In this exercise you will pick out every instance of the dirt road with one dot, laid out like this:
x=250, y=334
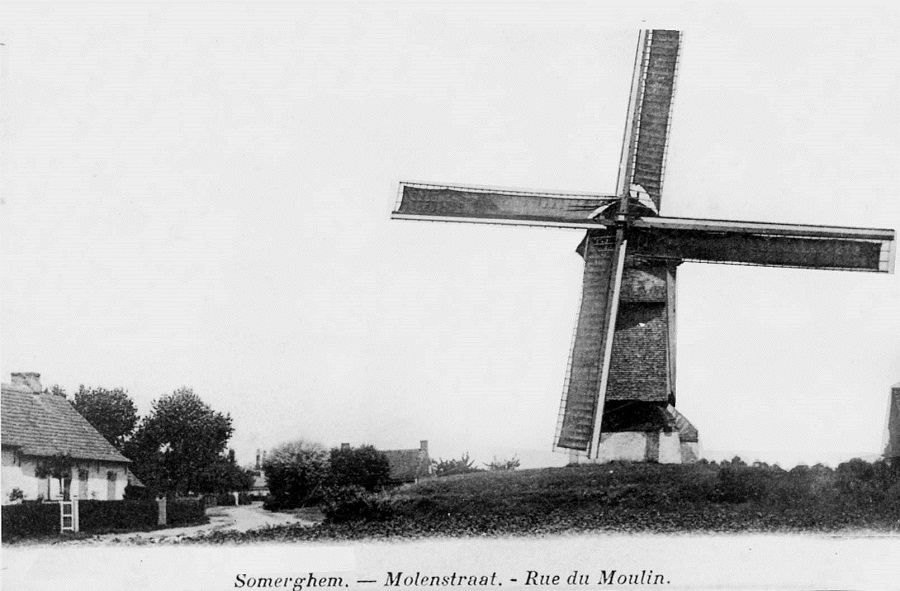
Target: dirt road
x=243, y=518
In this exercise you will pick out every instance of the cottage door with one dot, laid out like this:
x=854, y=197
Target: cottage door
x=82, y=484
x=110, y=486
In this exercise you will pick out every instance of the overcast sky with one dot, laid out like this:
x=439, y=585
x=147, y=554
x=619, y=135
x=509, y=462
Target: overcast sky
x=200, y=196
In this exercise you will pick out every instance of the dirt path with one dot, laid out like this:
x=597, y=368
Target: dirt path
x=243, y=518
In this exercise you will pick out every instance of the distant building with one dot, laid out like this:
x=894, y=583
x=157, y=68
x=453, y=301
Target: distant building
x=892, y=444
x=37, y=426
x=260, y=486
x=409, y=465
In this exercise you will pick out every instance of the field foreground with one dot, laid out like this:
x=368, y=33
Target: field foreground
x=618, y=497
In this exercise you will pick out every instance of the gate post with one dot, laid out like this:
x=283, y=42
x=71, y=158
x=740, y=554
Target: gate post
x=76, y=515
x=161, y=514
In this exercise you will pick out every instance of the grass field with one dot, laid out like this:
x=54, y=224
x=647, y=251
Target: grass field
x=619, y=497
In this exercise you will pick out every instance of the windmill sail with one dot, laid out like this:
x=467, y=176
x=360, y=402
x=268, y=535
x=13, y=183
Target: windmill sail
x=653, y=115
x=581, y=398
x=471, y=204
x=771, y=245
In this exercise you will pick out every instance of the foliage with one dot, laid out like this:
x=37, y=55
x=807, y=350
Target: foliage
x=179, y=447
x=463, y=465
x=615, y=497
x=353, y=503
x=16, y=494
x=111, y=412
x=738, y=484
x=226, y=499
x=225, y=476
x=364, y=466
x=29, y=520
x=136, y=493
x=56, y=390
x=297, y=473
x=97, y=516
x=182, y=512
x=58, y=466
x=503, y=465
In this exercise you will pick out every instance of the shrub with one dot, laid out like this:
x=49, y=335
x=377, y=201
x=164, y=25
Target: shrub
x=738, y=484
x=296, y=474
x=861, y=483
x=353, y=503
x=463, y=465
x=503, y=465
x=185, y=512
x=225, y=499
x=137, y=493
x=363, y=466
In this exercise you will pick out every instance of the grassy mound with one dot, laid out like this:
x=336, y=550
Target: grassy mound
x=619, y=497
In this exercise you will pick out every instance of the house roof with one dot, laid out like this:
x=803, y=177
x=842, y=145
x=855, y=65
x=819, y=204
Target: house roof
x=47, y=424
x=407, y=464
x=135, y=481
x=260, y=482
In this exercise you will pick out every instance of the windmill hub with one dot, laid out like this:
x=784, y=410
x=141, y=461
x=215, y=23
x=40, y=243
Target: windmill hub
x=619, y=398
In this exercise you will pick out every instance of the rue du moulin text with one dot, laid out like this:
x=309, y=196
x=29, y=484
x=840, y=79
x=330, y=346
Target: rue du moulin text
x=531, y=579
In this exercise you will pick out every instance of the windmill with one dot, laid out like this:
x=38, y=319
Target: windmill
x=619, y=397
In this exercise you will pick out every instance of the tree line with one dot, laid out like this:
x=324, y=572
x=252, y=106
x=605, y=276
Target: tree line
x=180, y=447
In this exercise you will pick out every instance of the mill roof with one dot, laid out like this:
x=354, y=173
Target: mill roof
x=46, y=424
x=407, y=465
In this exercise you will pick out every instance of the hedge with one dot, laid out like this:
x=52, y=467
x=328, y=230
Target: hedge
x=29, y=520
x=108, y=515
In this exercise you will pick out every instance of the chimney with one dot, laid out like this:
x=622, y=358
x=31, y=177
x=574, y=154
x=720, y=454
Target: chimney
x=345, y=446
x=29, y=379
x=423, y=445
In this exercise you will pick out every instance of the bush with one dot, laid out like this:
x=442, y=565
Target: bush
x=463, y=465
x=185, y=512
x=225, y=500
x=353, y=503
x=863, y=483
x=137, y=493
x=363, y=466
x=738, y=484
x=503, y=465
x=296, y=473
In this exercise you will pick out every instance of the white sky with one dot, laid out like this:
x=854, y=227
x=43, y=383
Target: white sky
x=200, y=196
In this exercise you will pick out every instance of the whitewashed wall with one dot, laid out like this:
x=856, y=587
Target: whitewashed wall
x=19, y=472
